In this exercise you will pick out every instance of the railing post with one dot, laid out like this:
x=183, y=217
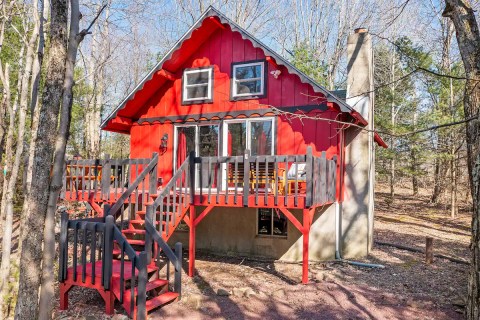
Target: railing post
x=152, y=181
x=63, y=250
x=191, y=166
x=334, y=189
x=178, y=270
x=309, y=176
x=108, y=254
x=106, y=210
x=142, y=287
x=246, y=177
x=106, y=173
x=148, y=238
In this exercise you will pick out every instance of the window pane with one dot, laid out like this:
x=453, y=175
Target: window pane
x=261, y=133
x=197, y=77
x=197, y=92
x=279, y=224
x=208, y=141
x=248, y=72
x=208, y=146
x=186, y=143
x=265, y=221
x=237, y=136
x=249, y=87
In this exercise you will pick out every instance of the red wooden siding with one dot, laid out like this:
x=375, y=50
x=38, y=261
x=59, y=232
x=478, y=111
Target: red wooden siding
x=221, y=49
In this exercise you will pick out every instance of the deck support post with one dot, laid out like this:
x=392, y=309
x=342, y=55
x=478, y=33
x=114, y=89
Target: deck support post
x=306, y=236
x=191, y=243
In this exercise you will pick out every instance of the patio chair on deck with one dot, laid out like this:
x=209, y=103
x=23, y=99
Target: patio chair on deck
x=295, y=174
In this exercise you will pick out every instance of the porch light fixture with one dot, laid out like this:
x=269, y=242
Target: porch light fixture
x=164, y=143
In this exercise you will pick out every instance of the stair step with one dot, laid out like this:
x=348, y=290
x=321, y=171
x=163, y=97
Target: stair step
x=117, y=252
x=135, y=242
x=128, y=270
x=151, y=285
x=143, y=222
x=143, y=212
x=161, y=300
x=134, y=231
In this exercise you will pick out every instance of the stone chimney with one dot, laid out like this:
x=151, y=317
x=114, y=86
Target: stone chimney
x=358, y=202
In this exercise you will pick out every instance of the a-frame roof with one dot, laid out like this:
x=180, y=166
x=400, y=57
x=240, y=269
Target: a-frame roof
x=279, y=60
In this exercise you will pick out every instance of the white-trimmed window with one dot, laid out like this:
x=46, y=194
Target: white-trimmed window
x=248, y=79
x=197, y=85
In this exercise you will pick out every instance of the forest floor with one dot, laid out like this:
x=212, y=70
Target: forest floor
x=406, y=288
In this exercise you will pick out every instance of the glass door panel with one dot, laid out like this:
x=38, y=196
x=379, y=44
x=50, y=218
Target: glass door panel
x=261, y=138
x=236, y=138
x=208, y=147
x=186, y=138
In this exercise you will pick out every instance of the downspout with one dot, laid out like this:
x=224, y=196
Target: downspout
x=338, y=214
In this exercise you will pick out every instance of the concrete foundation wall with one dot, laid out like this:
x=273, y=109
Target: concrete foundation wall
x=232, y=231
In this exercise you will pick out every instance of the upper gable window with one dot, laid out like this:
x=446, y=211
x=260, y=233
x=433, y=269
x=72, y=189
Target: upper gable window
x=248, y=79
x=197, y=85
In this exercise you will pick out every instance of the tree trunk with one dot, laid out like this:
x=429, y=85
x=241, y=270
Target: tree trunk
x=35, y=205
x=47, y=288
x=468, y=38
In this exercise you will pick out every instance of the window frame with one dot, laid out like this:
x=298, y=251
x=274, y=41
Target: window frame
x=263, y=80
x=258, y=234
x=209, y=98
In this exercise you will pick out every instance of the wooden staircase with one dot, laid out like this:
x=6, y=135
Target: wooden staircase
x=118, y=256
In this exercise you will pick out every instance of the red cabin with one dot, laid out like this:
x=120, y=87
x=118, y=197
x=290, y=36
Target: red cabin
x=233, y=151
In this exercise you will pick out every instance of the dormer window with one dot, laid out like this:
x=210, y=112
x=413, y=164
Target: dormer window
x=197, y=85
x=248, y=80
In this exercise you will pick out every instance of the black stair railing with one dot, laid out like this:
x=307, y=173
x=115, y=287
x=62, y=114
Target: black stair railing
x=97, y=236
x=81, y=236
x=173, y=200
x=136, y=262
x=137, y=190
x=154, y=240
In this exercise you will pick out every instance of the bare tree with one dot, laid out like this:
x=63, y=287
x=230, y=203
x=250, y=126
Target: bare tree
x=35, y=204
x=468, y=38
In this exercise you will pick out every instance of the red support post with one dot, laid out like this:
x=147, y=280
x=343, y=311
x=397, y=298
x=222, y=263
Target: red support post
x=191, y=243
x=64, y=288
x=306, y=235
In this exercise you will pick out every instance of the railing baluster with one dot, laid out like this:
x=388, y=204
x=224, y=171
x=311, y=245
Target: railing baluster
x=296, y=183
x=122, y=270
x=63, y=247
x=257, y=173
x=276, y=182
x=142, y=287
x=227, y=168
x=132, y=285
x=309, y=177
x=323, y=177
x=236, y=181
x=93, y=249
x=219, y=181
x=167, y=224
x=209, y=175
x=75, y=249
x=267, y=182
x=285, y=182
x=246, y=177
x=136, y=190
